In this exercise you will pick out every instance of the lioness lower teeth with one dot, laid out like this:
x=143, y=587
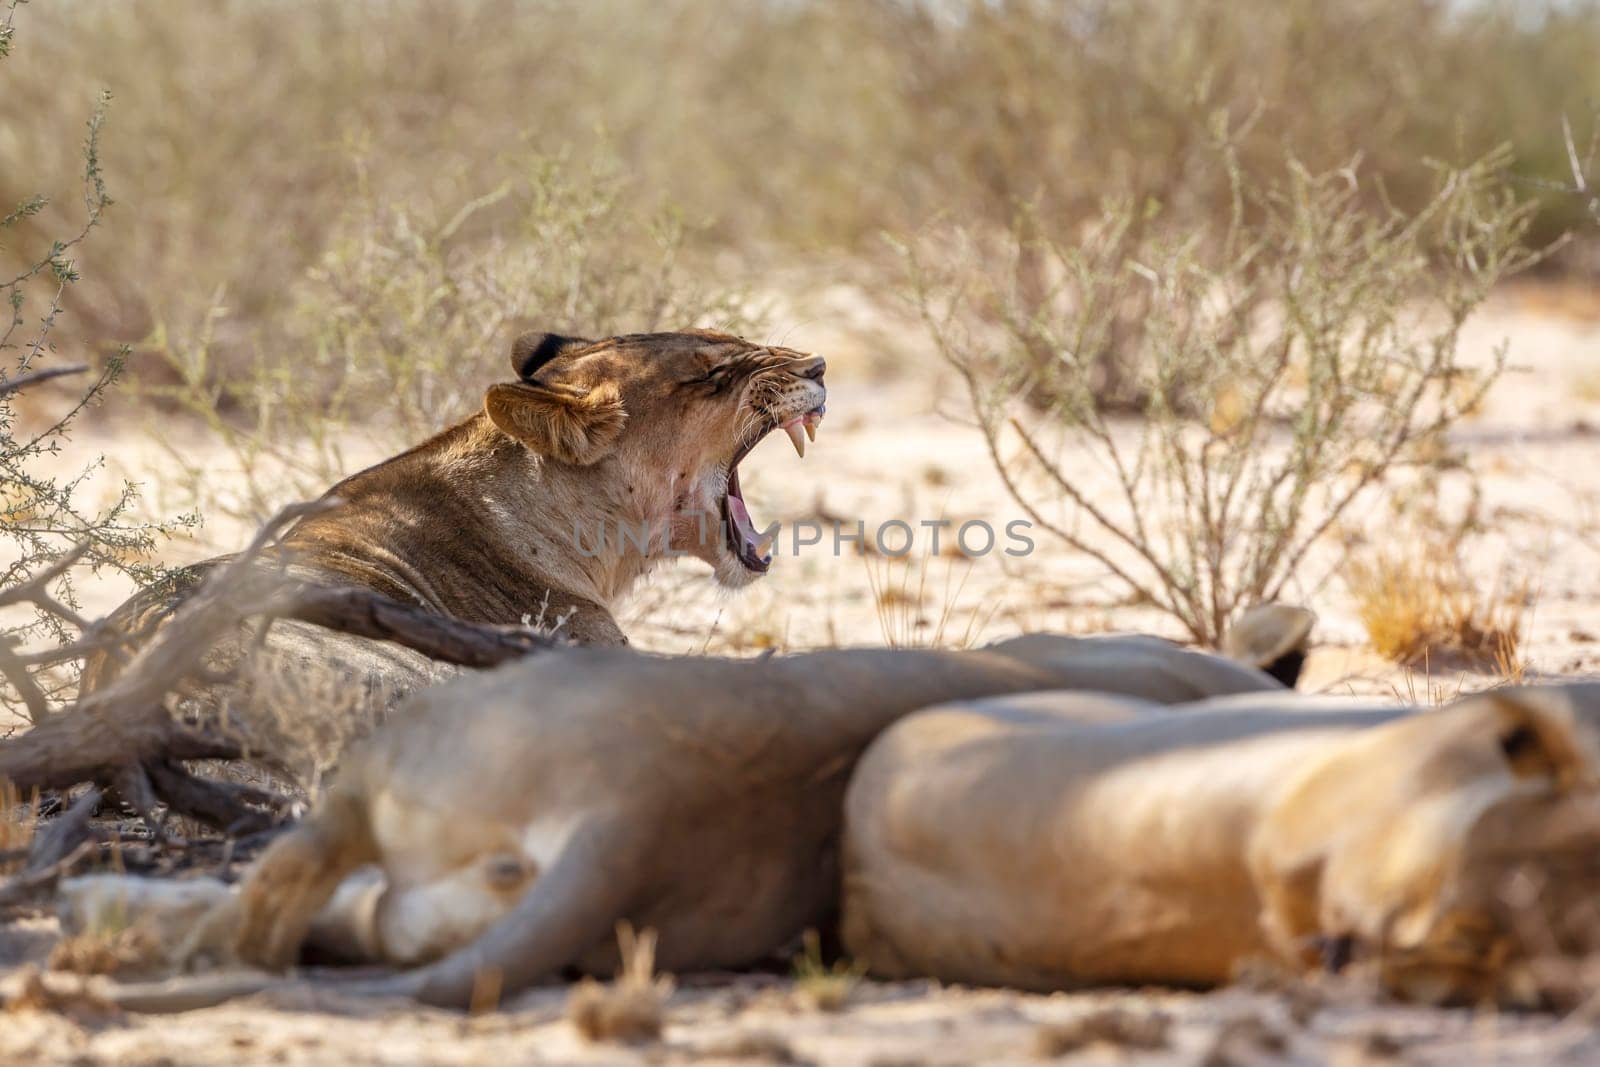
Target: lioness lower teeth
x=799, y=439
x=764, y=545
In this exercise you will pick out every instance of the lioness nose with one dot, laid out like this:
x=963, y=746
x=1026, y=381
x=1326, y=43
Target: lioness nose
x=815, y=371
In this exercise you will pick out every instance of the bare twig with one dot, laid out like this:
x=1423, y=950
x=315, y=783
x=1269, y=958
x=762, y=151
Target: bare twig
x=14, y=384
x=15, y=671
x=64, y=835
x=31, y=885
x=1580, y=180
x=38, y=584
x=366, y=614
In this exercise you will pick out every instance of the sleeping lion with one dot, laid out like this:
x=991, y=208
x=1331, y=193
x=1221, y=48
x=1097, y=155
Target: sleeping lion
x=498, y=827
x=1063, y=840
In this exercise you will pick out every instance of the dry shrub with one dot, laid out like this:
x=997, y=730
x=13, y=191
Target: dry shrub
x=1420, y=608
x=1417, y=597
x=630, y=1009
x=46, y=514
x=126, y=952
x=408, y=316
x=822, y=986
x=1058, y=101
x=1284, y=363
x=1117, y=1027
x=17, y=824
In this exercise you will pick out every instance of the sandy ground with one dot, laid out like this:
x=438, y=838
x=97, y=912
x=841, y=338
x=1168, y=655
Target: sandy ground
x=889, y=450
x=765, y=1021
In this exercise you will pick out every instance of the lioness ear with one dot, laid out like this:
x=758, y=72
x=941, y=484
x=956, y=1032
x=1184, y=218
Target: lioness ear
x=1272, y=637
x=533, y=350
x=1538, y=740
x=568, y=425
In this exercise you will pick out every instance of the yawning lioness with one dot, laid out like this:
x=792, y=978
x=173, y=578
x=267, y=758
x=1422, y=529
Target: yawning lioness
x=599, y=461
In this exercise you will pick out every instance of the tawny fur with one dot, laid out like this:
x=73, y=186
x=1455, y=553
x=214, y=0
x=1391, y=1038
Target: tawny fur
x=1066, y=839
x=698, y=797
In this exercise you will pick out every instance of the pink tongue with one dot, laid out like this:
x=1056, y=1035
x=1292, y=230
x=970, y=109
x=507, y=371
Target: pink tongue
x=741, y=518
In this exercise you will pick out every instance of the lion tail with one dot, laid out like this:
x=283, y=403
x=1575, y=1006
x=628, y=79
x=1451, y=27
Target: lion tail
x=297, y=876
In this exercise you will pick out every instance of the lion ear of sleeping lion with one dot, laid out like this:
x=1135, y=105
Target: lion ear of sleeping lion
x=566, y=423
x=1539, y=736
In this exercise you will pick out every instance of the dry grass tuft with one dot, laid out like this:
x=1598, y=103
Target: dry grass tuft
x=1245, y=1039
x=34, y=994
x=16, y=825
x=632, y=1008
x=1586, y=386
x=911, y=615
x=1118, y=1027
x=1419, y=608
x=822, y=986
x=127, y=951
x=751, y=1046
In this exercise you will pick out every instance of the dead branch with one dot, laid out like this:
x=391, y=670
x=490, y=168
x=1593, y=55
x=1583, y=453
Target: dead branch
x=9, y=387
x=15, y=671
x=64, y=835
x=114, y=734
x=221, y=805
x=365, y=614
x=30, y=884
x=122, y=737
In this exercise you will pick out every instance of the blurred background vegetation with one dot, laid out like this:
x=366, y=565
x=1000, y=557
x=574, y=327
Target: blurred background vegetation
x=247, y=139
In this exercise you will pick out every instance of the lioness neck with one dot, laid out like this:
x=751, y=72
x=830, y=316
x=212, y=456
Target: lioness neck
x=472, y=524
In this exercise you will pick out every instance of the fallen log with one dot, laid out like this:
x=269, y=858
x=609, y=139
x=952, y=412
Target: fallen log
x=123, y=738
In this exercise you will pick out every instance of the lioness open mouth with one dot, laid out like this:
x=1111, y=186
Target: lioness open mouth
x=754, y=550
